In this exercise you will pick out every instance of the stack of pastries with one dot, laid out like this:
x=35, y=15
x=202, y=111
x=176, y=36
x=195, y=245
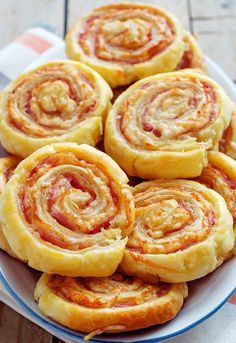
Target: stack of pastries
x=117, y=257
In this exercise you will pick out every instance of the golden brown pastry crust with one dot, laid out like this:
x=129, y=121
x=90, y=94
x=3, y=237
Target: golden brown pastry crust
x=67, y=210
x=220, y=175
x=163, y=125
x=7, y=166
x=114, y=304
x=183, y=231
x=60, y=101
x=126, y=42
x=193, y=56
x=228, y=141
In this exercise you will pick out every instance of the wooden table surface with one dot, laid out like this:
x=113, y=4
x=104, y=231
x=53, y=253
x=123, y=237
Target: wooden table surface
x=213, y=21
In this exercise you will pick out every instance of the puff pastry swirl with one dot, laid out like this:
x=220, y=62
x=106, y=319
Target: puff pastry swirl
x=193, y=56
x=163, y=125
x=57, y=102
x=7, y=166
x=183, y=230
x=113, y=304
x=220, y=175
x=67, y=209
x=228, y=141
x=126, y=42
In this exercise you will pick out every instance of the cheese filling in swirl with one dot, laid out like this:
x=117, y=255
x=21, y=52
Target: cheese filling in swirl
x=110, y=35
x=167, y=222
x=52, y=100
x=170, y=218
x=116, y=291
x=160, y=112
x=63, y=193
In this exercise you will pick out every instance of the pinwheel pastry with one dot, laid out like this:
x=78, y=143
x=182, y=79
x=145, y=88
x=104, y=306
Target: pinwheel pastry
x=112, y=304
x=228, y=141
x=57, y=102
x=162, y=125
x=183, y=231
x=67, y=209
x=126, y=42
x=7, y=166
x=192, y=56
x=220, y=175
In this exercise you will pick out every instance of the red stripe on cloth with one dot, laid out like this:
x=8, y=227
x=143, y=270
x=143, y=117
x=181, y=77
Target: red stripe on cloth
x=34, y=42
x=232, y=300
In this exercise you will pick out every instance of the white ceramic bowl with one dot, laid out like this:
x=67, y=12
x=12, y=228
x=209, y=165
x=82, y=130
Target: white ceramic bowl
x=206, y=295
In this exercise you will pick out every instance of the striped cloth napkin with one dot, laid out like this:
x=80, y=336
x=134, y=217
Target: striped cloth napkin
x=36, y=44
x=23, y=51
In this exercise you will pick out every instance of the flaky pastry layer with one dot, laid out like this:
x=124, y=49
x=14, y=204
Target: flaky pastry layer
x=7, y=166
x=220, y=175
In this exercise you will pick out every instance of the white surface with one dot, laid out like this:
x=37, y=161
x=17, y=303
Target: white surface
x=205, y=294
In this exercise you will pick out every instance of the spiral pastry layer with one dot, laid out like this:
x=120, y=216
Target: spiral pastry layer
x=162, y=125
x=67, y=209
x=220, y=175
x=183, y=231
x=7, y=166
x=193, y=56
x=57, y=102
x=228, y=141
x=113, y=304
x=126, y=42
